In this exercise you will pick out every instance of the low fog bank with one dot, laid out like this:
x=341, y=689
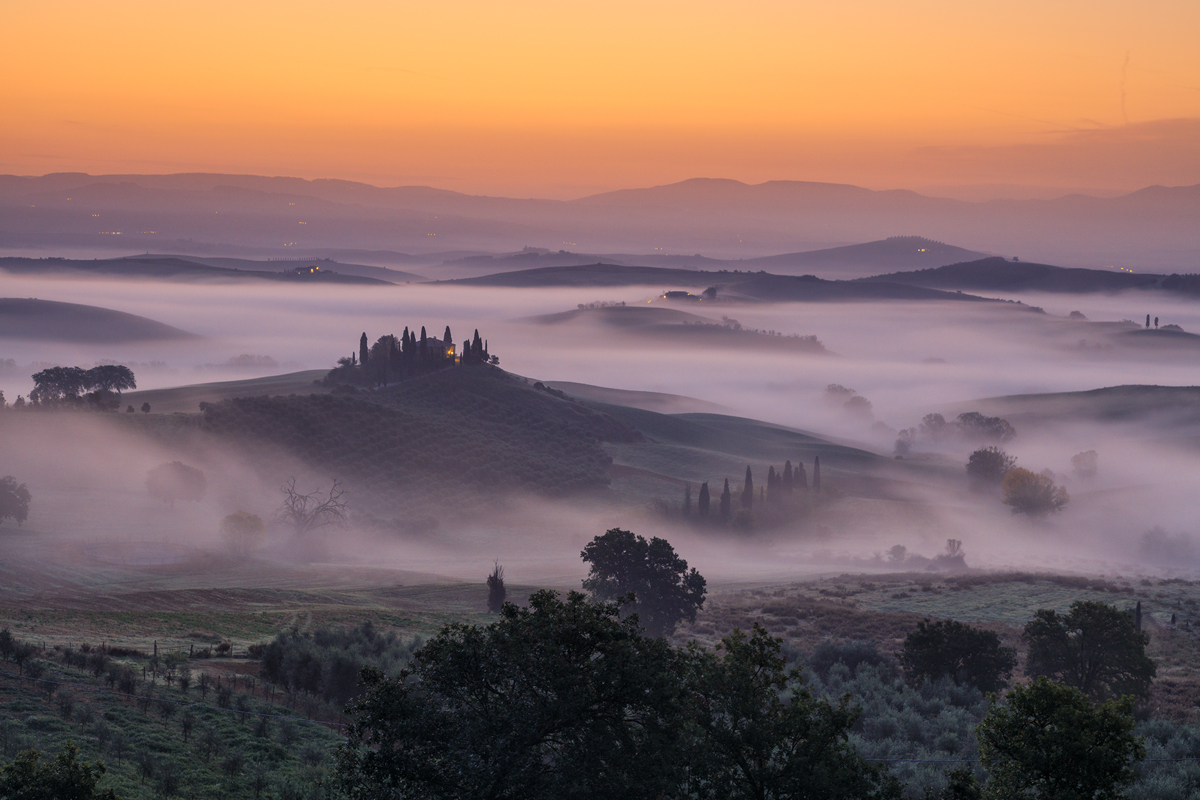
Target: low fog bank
x=906, y=360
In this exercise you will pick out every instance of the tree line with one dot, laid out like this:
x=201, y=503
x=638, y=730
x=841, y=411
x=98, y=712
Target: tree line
x=395, y=359
x=75, y=387
x=782, y=488
x=574, y=697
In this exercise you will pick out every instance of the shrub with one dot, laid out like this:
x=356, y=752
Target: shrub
x=850, y=653
x=1033, y=494
x=326, y=662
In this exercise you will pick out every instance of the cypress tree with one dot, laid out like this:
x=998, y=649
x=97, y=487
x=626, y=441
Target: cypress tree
x=786, y=483
x=702, y=500
x=363, y=349
x=446, y=337
x=748, y=490
x=687, y=499
x=477, y=346
x=817, y=474
x=466, y=356
x=726, y=501
x=800, y=477
x=422, y=352
x=496, y=590
x=771, y=483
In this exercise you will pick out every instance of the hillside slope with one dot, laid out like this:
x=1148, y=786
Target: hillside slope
x=437, y=444
x=173, y=268
x=48, y=320
x=998, y=274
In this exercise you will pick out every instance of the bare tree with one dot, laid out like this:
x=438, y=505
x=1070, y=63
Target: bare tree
x=306, y=513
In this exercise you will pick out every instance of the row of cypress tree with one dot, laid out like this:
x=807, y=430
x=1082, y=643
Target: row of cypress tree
x=780, y=484
x=392, y=358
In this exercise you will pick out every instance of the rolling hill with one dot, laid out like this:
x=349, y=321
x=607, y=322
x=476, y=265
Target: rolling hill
x=765, y=287
x=594, y=275
x=998, y=274
x=52, y=321
x=1172, y=410
x=659, y=325
x=326, y=266
x=736, y=285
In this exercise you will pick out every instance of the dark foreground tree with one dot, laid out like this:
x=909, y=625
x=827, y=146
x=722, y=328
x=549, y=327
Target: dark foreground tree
x=176, y=481
x=32, y=777
x=665, y=590
x=1033, y=494
x=496, y=590
x=755, y=744
x=1094, y=648
x=989, y=465
x=14, y=500
x=969, y=656
x=1048, y=741
x=563, y=699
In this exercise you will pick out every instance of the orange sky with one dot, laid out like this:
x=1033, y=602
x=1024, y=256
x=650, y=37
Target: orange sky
x=561, y=99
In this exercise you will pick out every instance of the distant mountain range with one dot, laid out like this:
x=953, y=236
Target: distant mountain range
x=222, y=215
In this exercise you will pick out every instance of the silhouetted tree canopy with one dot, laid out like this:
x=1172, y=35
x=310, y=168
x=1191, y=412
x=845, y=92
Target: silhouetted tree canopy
x=665, y=590
x=966, y=655
x=973, y=425
x=1047, y=741
x=754, y=743
x=1094, y=647
x=560, y=700
x=176, y=481
x=111, y=378
x=32, y=776
x=14, y=500
x=568, y=700
x=989, y=464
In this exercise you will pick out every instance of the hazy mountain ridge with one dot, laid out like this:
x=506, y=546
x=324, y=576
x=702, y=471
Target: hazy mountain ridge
x=1153, y=227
